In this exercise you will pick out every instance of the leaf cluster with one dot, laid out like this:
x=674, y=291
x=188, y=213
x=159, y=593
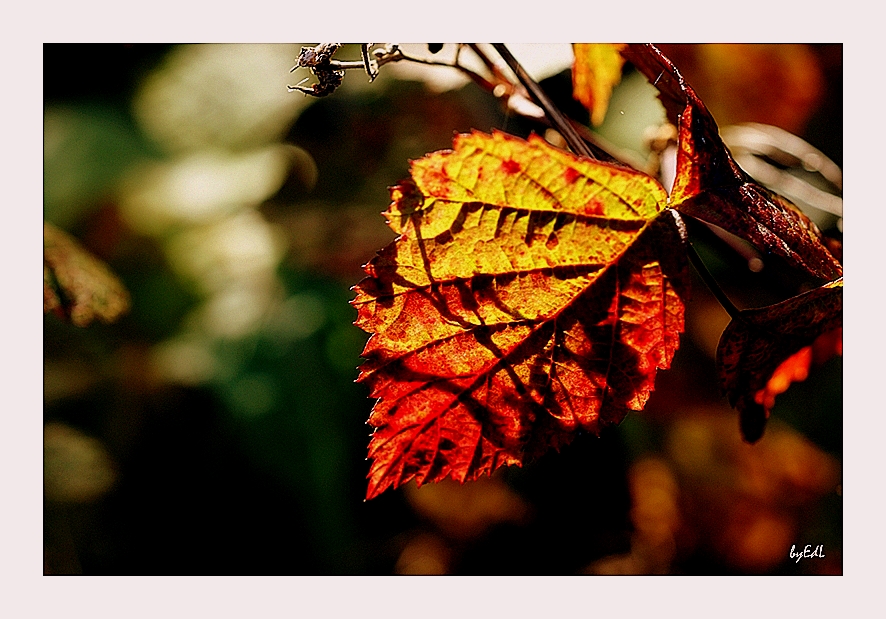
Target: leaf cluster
x=533, y=293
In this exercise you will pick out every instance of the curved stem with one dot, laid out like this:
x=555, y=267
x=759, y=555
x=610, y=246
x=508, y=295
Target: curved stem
x=712, y=284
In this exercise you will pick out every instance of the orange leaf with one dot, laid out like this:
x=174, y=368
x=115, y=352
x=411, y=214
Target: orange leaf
x=596, y=71
x=531, y=294
x=766, y=349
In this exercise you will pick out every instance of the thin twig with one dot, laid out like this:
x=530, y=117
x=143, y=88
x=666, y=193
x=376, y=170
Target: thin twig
x=499, y=80
x=591, y=140
x=476, y=77
x=561, y=123
x=493, y=68
x=712, y=284
x=395, y=54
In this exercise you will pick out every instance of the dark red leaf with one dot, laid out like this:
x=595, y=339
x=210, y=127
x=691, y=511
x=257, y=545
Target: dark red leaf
x=710, y=185
x=765, y=349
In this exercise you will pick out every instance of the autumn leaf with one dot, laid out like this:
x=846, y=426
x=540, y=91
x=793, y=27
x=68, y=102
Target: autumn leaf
x=51, y=300
x=765, y=349
x=76, y=284
x=595, y=72
x=530, y=295
x=710, y=185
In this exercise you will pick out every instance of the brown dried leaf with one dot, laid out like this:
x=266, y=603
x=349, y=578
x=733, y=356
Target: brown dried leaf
x=76, y=284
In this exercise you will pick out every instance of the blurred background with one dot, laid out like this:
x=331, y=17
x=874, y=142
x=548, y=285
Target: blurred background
x=216, y=427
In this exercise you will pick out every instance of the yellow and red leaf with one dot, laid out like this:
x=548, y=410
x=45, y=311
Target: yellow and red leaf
x=531, y=294
x=77, y=285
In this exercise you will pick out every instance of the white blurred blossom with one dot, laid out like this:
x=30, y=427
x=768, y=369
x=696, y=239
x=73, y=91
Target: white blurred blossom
x=240, y=248
x=200, y=187
x=224, y=95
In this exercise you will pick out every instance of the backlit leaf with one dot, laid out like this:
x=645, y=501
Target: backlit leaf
x=596, y=71
x=765, y=350
x=710, y=185
x=531, y=294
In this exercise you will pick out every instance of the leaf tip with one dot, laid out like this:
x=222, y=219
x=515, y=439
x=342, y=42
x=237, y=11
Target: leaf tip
x=752, y=422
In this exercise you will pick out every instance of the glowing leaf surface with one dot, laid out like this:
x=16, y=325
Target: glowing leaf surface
x=530, y=294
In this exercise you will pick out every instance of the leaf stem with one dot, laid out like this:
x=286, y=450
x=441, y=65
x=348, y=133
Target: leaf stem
x=559, y=120
x=712, y=284
x=490, y=66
